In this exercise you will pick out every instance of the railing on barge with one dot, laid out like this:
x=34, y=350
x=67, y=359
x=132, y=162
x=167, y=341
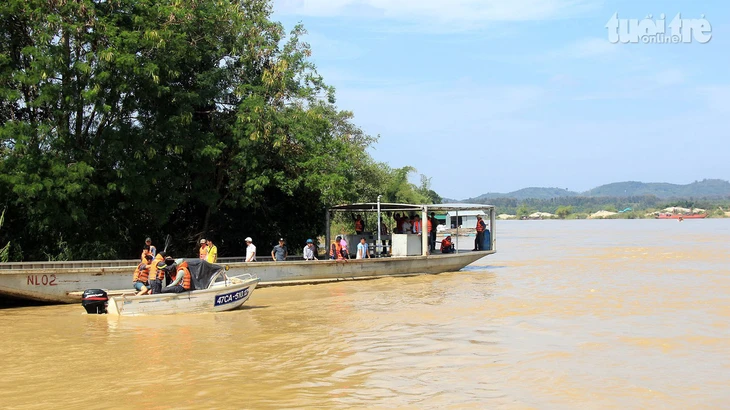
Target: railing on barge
x=122, y=263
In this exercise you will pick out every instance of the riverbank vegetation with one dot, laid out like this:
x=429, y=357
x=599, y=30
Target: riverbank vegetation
x=124, y=119
x=633, y=207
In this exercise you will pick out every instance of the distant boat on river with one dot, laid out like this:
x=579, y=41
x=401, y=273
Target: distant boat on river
x=680, y=216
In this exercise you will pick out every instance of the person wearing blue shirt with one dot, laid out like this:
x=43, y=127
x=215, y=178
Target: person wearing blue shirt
x=362, y=249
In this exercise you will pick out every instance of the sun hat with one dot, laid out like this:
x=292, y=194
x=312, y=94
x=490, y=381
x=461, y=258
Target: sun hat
x=202, y=241
x=248, y=239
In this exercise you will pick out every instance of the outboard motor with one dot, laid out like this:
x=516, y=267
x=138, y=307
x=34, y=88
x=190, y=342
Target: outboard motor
x=94, y=301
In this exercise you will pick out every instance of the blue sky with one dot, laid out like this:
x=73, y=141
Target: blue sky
x=497, y=95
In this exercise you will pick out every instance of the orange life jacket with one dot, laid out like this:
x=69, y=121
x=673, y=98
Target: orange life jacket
x=142, y=273
x=185, y=282
x=445, y=244
x=336, y=248
x=417, y=226
x=203, y=252
x=480, y=225
x=429, y=226
x=359, y=226
x=155, y=266
x=145, y=252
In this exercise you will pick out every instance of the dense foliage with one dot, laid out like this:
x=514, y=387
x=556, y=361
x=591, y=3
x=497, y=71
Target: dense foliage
x=123, y=119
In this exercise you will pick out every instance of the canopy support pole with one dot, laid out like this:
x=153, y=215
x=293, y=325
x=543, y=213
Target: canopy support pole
x=424, y=231
x=327, y=234
x=378, y=245
x=457, y=231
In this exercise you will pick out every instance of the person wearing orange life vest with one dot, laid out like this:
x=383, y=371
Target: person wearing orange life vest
x=203, y=252
x=446, y=245
x=359, y=225
x=182, y=281
x=429, y=230
x=158, y=263
x=336, y=249
x=417, y=225
x=479, y=240
x=140, y=279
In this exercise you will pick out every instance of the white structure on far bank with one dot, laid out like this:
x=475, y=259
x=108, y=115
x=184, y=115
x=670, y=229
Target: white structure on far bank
x=467, y=219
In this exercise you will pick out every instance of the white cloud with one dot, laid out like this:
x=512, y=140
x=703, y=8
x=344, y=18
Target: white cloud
x=716, y=97
x=440, y=11
x=669, y=77
x=591, y=47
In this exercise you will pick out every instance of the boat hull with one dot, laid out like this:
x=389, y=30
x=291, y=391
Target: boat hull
x=216, y=299
x=43, y=282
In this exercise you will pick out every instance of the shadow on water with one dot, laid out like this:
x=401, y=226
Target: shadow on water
x=478, y=268
x=8, y=302
x=250, y=307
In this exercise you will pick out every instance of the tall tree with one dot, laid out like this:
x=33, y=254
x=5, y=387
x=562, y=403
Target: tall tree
x=123, y=119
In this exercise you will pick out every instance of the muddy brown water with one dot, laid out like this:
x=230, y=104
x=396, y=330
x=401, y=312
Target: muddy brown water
x=612, y=314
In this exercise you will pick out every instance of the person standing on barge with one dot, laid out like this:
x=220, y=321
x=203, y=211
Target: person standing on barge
x=203, y=252
x=250, y=250
x=310, y=252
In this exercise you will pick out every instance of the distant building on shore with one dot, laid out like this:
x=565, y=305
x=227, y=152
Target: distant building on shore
x=466, y=219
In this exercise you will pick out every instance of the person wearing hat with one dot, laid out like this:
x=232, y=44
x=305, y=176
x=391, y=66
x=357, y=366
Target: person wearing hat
x=153, y=250
x=212, y=251
x=279, y=253
x=310, y=252
x=203, y=252
x=250, y=250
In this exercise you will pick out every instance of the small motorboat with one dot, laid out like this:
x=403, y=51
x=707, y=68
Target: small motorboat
x=213, y=291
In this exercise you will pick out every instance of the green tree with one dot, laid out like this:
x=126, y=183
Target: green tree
x=125, y=119
x=5, y=250
x=563, y=211
x=523, y=211
x=425, y=189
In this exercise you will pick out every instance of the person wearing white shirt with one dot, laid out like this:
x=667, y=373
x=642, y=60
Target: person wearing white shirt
x=406, y=226
x=309, y=251
x=250, y=250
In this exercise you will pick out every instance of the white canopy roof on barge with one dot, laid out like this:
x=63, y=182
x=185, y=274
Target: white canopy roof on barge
x=487, y=210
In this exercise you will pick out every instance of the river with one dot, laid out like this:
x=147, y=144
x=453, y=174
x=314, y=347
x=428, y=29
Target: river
x=613, y=314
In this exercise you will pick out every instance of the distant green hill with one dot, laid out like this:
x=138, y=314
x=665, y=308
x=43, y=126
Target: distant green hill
x=528, y=193
x=707, y=188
